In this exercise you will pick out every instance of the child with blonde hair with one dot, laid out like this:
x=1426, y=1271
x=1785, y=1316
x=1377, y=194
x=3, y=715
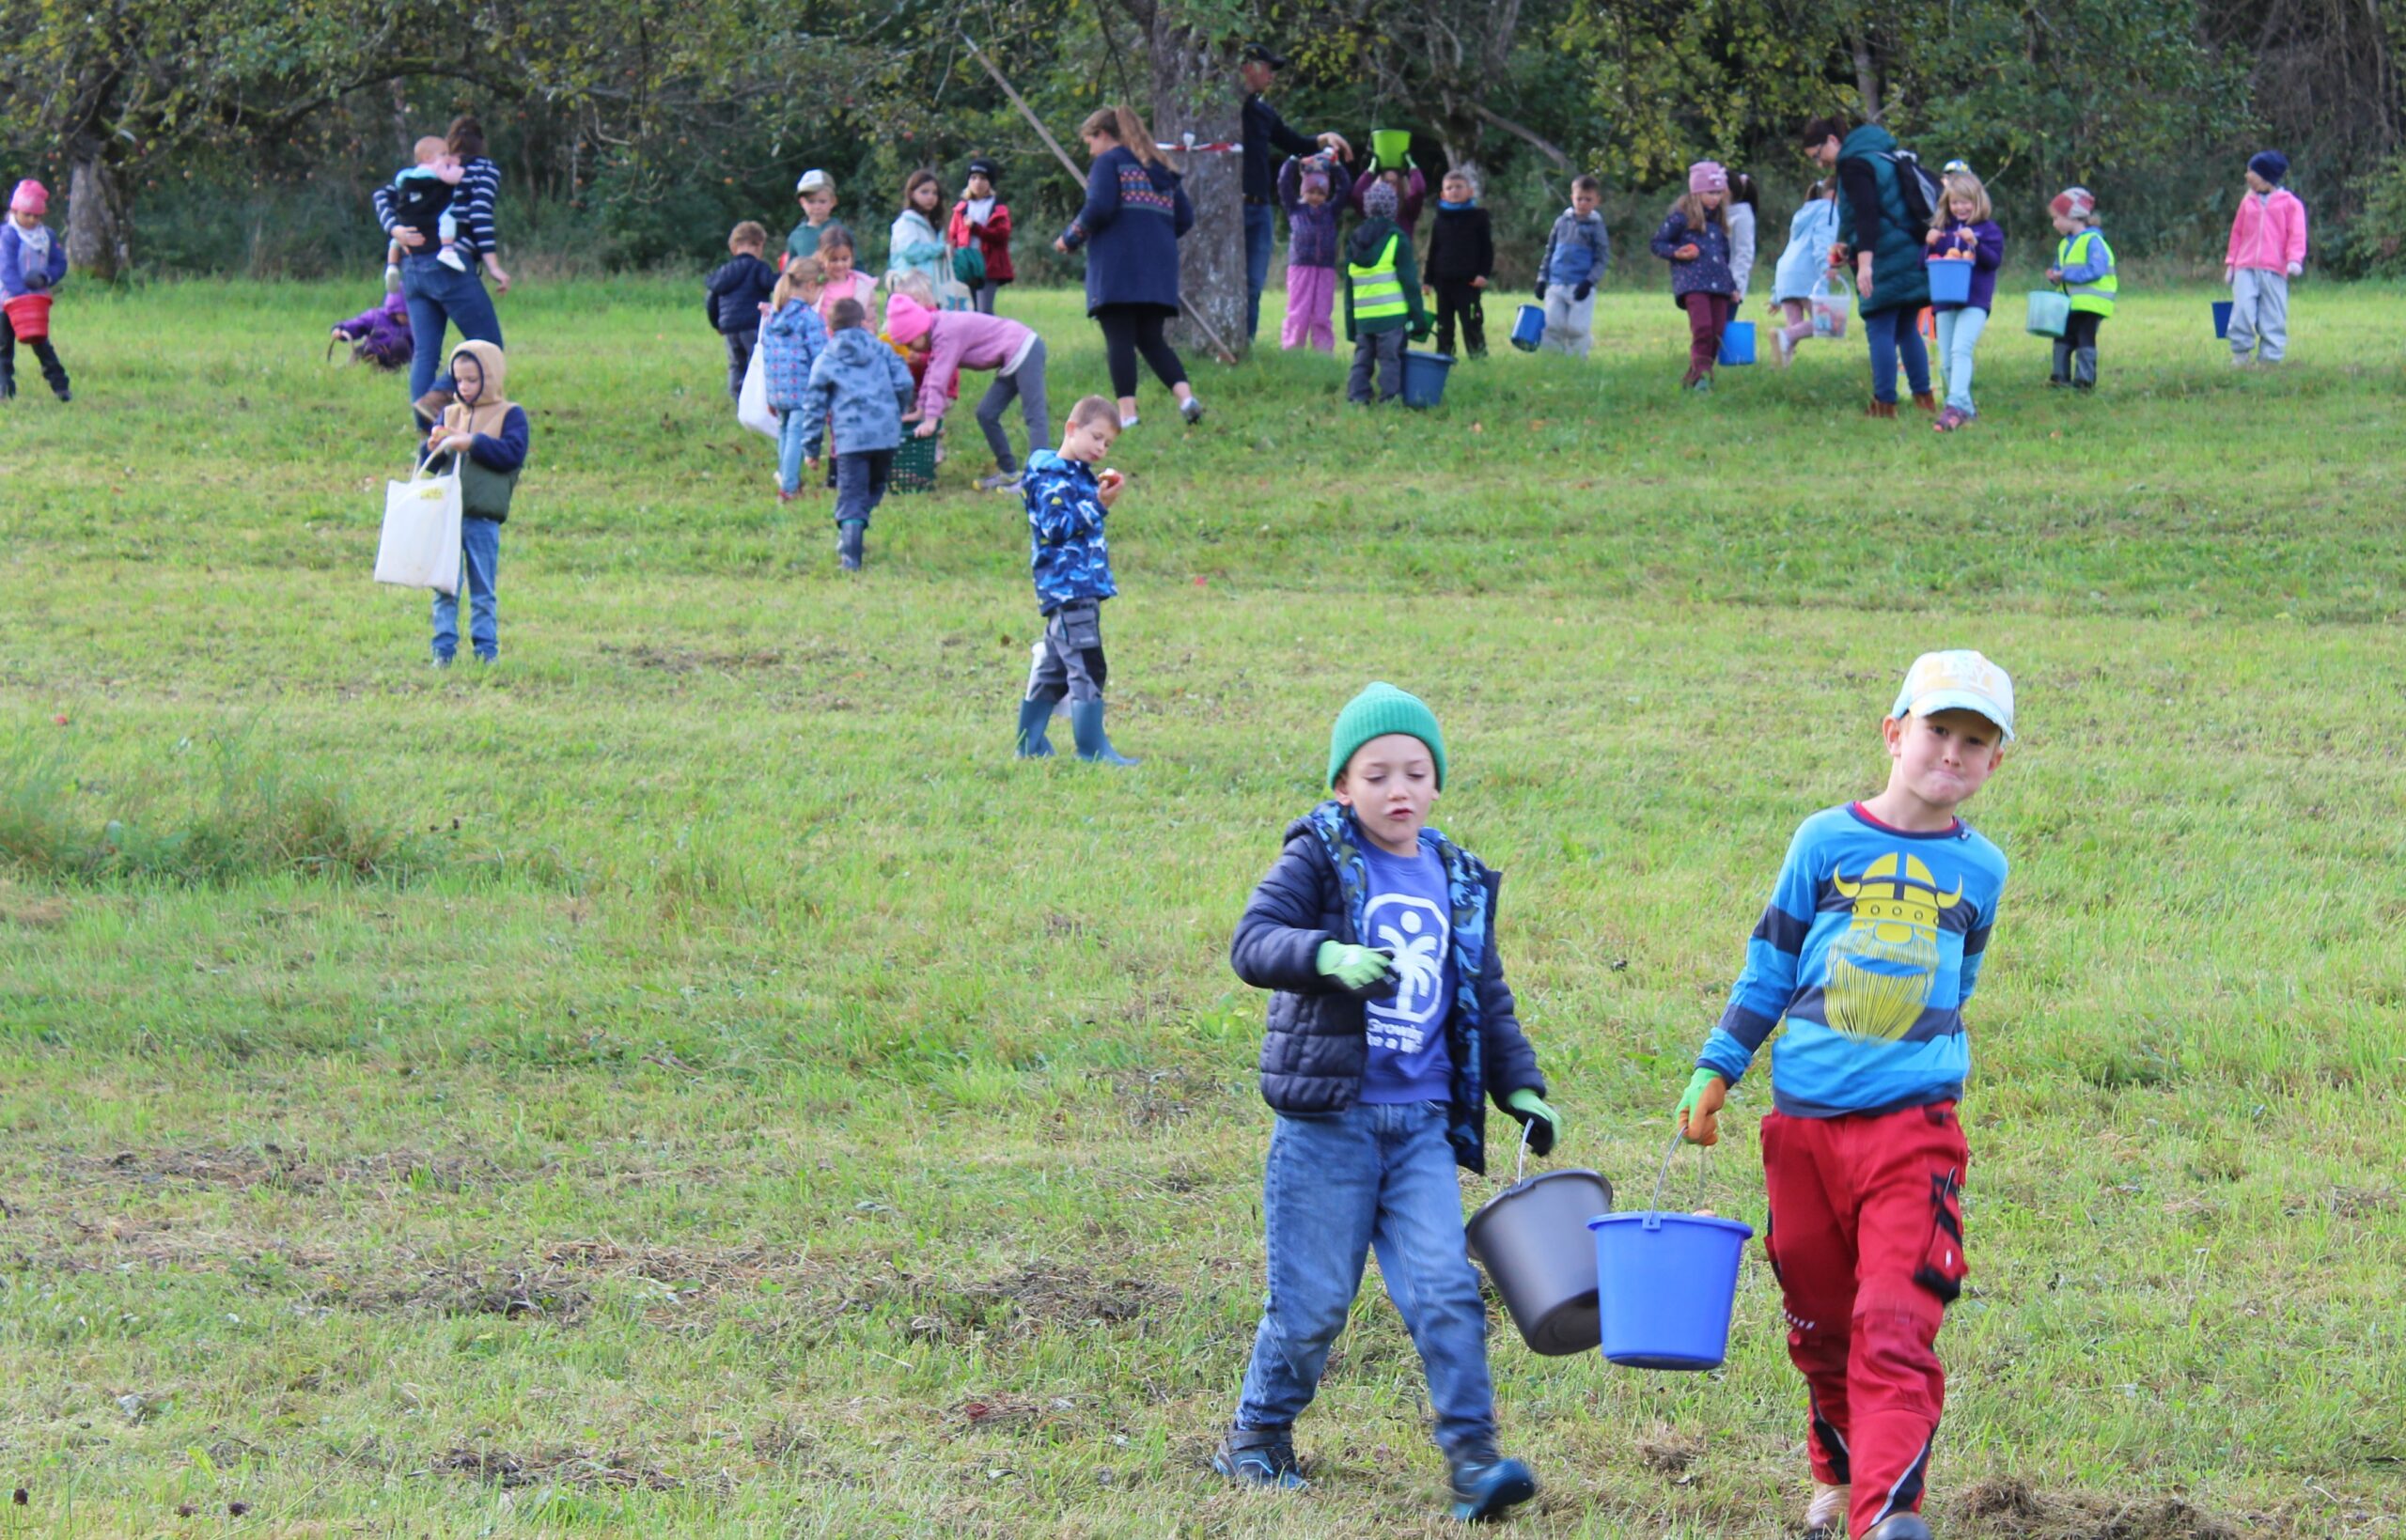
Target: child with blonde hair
x=1695, y=240
x=1805, y=266
x=791, y=338
x=1962, y=230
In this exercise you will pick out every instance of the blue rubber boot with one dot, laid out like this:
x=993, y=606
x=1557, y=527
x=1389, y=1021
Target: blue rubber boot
x=1085, y=724
x=1485, y=1485
x=1033, y=718
x=1263, y=1458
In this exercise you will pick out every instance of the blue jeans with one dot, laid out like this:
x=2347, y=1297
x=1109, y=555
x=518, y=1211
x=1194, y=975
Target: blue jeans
x=480, y=552
x=437, y=295
x=1371, y=1177
x=1892, y=333
x=1958, y=333
x=860, y=483
x=1261, y=230
x=789, y=448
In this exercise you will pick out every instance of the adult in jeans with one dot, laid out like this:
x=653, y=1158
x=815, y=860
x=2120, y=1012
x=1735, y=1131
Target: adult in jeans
x=1267, y=141
x=437, y=296
x=1136, y=211
x=1880, y=235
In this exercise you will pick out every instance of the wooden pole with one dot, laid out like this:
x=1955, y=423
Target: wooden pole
x=1226, y=356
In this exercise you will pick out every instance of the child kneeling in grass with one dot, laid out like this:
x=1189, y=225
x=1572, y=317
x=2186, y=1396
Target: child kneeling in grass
x=1869, y=949
x=1391, y=1018
x=488, y=434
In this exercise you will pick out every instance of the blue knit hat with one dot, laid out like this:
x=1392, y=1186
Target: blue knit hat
x=1378, y=200
x=1375, y=712
x=2271, y=164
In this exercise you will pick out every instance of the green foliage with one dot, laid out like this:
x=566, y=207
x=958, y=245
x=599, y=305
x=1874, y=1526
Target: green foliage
x=2375, y=243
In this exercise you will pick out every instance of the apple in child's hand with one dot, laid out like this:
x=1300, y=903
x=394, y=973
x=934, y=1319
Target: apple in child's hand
x=1110, y=480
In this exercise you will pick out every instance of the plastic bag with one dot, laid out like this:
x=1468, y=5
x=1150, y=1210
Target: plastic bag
x=420, y=545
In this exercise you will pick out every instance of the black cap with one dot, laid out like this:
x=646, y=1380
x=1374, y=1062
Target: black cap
x=980, y=166
x=1261, y=54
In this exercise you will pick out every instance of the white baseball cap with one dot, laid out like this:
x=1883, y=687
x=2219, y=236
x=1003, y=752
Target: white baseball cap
x=1960, y=681
x=815, y=180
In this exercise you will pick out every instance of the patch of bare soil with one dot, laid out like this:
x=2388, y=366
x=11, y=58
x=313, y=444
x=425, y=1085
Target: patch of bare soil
x=2011, y=1508
x=1033, y=1299
x=563, y=1467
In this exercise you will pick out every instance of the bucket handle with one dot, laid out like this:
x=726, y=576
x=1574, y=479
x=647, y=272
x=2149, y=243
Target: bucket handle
x=1652, y=1218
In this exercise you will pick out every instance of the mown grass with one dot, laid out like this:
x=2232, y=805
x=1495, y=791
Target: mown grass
x=754, y=1105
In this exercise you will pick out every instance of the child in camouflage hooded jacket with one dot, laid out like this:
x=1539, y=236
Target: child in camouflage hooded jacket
x=1067, y=502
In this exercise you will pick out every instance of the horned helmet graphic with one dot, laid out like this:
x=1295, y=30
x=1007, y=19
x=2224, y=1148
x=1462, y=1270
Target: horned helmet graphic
x=1881, y=968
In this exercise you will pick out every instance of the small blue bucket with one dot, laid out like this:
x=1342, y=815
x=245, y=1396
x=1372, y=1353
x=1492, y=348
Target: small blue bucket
x=1950, y=281
x=1665, y=1284
x=1738, y=343
x=1528, y=327
x=2050, y=312
x=1424, y=378
x=2222, y=318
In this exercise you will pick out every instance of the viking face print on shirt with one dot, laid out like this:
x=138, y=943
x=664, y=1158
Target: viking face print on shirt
x=1417, y=932
x=1881, y=966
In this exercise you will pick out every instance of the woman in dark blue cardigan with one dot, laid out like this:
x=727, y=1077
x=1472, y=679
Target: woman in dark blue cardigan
x=1134, y=213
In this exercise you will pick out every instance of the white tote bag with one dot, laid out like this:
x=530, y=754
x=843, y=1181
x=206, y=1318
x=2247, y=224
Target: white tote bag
x=420, y=548
x=752, y=406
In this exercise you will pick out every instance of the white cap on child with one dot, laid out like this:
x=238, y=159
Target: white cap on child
x=1960, y=681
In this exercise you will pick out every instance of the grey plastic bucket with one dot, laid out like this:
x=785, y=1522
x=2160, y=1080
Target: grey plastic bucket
x=1532, y=1238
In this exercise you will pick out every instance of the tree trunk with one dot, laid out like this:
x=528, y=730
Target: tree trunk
x=1866, y=75
x=98, y=228
x=1195, y=91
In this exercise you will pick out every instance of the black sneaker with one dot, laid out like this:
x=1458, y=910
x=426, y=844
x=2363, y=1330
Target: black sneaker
x=1899, y=1527
x=1485, y=1484
x=1263, y=1458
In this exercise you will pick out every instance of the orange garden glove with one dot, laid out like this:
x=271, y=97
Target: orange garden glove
x=1700, y=1107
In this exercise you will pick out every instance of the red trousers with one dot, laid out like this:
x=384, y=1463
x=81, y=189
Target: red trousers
x=1866, y=1240
x=1708, y=318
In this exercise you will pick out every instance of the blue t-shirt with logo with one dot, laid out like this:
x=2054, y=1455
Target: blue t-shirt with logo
x=1409, y=912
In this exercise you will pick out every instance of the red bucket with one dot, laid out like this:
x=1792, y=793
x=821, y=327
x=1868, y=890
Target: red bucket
x=28, y=317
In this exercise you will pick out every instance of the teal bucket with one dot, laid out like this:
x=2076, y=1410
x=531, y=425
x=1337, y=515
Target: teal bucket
x=1738, y=343
x=2050, y=312
x=1950, y=281
x=2222, y=318
x=1424, y=378
x=1665, y=1284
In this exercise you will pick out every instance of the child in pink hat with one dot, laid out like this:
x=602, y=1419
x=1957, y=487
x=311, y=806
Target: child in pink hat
x=32, y=262
x=1695, y=240
x=951, y=341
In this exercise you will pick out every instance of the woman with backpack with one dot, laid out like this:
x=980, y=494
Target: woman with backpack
x=1885, y=202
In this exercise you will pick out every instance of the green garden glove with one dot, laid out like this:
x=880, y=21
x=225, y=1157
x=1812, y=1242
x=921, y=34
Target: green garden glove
x=1357, y=968
x=1700, y=1106
x=1543, y=1122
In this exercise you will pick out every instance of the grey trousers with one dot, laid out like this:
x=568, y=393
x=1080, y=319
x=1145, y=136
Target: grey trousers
x=1071, y=662
x=739, y=358
x=1026, y=383
x=1384, y=349
x=2260, y=314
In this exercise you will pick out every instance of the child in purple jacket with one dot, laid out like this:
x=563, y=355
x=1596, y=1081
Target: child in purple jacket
x=1964, y=232
x=32, y=262
x=1312, y=192
x=381, y=336
x=1695, y=240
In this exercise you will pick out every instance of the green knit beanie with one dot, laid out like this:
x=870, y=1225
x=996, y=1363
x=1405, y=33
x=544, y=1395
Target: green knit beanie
x=1375, y=712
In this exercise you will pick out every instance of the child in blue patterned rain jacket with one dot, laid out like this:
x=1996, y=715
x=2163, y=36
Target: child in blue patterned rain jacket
x=1390, y=1028
x=1067, y=502
x=791, y=338
x=859, y=389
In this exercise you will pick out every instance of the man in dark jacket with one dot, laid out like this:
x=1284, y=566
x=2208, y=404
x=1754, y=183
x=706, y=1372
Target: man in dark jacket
x=1877, y=230
x=1390, y=1022
x=1268, y=140
x=738, y=289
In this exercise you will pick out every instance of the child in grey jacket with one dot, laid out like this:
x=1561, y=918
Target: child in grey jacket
x=1576, y=254
x=860, y=388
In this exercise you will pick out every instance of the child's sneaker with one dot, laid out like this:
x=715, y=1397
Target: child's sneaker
x=450, y=258
x=1899, y=1527
x=1485, y=1484
x=1128, y=420
x=1826, y=1513
x=392, y=278
x=1192, y=410
x=1949, y=420
x=1259, y=1458
x=1001, y=481
x=1787, y=346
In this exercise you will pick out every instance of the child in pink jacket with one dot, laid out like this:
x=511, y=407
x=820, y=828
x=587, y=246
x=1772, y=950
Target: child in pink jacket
x=954, y=340
x=2267, y=249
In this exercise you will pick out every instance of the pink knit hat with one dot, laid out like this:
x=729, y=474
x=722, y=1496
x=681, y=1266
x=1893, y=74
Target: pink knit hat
x=906, y=320
x=31, y=198
x=1708, y=177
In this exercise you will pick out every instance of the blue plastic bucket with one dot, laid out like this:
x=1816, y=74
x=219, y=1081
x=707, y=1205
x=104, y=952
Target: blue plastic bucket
x=1424, y=378
x=1665, y=1284
x=2222, y=318
x=1738, y=343
x=1528, y=327
x=1950, y=281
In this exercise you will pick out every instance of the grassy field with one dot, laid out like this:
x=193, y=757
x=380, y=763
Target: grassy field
x=689, y=1078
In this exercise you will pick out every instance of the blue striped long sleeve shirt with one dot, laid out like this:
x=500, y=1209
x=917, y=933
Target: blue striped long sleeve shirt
x=1869, y=947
